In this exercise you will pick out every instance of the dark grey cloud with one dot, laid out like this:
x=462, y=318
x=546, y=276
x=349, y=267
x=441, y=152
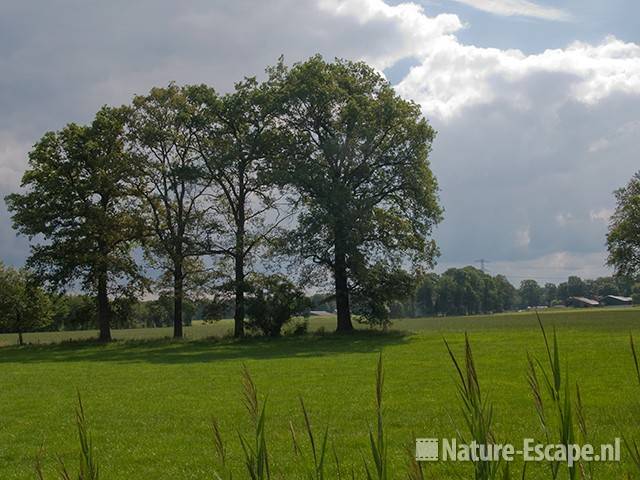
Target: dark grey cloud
x=60, y=61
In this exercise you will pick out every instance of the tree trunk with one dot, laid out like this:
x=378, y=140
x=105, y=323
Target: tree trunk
x=20, y=339
x=342, y=288
x=104, y=309
x=238, y=316
x=178, y=295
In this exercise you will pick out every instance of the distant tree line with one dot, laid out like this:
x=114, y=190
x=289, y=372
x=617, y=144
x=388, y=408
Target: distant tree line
x=320, y=171
x=274, y=300
x=470, y=291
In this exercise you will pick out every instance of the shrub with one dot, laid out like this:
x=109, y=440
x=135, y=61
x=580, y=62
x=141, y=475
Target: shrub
x=297, y=327
x=379, y=288
x=273, y=302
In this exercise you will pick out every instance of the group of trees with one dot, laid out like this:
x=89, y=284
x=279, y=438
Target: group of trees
x=322, y=164
x=321, y=167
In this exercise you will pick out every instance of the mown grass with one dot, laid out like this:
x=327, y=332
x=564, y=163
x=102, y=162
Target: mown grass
x=149, y=403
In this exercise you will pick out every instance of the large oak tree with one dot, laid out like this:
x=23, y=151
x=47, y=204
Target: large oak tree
x=77, y=209
x=357, y=157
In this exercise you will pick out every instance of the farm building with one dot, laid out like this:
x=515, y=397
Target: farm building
x=582, y=302
x=616, y=300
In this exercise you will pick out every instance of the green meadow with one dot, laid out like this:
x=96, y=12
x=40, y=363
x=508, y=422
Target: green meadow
x=150, y=401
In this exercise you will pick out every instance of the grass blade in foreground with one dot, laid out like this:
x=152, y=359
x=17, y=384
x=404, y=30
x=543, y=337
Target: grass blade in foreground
x=377, y=441
x=87, y=466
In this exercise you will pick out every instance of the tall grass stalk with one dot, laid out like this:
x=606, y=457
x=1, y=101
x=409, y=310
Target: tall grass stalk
x=87, y=465
x=255, y=451
x=560, y=424
x=476, y=410
x=377, y=440
x=414, y=468
x=314, y=464
x=220, y=451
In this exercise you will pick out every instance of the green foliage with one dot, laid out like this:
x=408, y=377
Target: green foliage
x=531, y=294
x=623, y=239
x=469, y=291
x=274, y=301
x=635, y=294
x=77, y=205
x=74, y=312
x=23, y=305
x=77, y=201
x=426, y=294
x=235, y=139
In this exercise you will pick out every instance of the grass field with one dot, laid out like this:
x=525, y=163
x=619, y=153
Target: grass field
x=149, y=401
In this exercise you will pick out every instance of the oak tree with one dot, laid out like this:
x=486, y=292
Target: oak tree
x=357, y=157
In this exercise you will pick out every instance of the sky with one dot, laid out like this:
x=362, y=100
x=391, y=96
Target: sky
x=536, y=104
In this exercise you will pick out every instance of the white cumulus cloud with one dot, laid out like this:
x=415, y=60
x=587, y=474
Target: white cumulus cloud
x=452, y=75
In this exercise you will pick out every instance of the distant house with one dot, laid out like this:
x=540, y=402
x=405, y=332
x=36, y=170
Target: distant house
x=616, y=300
x=582, y=302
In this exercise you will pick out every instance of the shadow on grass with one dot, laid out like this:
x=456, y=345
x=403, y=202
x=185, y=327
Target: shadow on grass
x=170, y=351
